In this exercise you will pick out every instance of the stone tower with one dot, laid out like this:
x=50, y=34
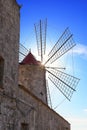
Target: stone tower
x=32, y=76
x=9, y=57
x=9, y=44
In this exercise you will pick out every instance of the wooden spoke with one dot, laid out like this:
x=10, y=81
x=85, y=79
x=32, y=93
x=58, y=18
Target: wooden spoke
x=64, y=82
x=22, y=52
x=64, y=44
x=40, y=30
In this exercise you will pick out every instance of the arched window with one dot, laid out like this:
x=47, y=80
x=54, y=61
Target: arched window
x=1, y=71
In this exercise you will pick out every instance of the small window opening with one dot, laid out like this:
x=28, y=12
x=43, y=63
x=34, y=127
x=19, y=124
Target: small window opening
x=41, y=93
x=1, y=71
x=24, y=126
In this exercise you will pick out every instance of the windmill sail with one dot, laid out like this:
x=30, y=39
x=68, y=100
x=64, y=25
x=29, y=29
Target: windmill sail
x=23, y=51
x=64, y=82
x=64, y=44
x=40, y=30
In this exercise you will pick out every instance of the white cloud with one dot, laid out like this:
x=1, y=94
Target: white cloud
x=85, y=110
x=80, y=49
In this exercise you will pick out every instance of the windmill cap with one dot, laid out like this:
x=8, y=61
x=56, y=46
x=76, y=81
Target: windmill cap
x=30, y=60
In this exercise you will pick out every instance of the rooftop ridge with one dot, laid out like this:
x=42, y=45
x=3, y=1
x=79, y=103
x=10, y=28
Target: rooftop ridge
x=30, y=59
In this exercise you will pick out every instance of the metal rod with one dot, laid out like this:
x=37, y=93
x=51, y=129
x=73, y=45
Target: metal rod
x=69, y=75
x=45, y=37
x=23, y=47
x=58, y=49
x=36, y=38
x=22, y=53
x=56, y=68
x=63, y=53
x=61, y=81
x=58, y=88
x=59, y=39
x=41, y=41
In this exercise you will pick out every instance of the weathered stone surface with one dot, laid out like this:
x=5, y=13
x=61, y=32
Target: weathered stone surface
x=22, y=107
x=9, y=42
x=33, y=78
x=9, y=52
x=41, y=117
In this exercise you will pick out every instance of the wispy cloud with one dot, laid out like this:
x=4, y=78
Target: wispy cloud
x=85, y=110
x=80, y=49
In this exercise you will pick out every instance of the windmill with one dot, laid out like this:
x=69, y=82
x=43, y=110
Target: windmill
x=64, y=82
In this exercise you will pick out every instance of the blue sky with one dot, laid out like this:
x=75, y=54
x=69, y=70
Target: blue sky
x=61, y=14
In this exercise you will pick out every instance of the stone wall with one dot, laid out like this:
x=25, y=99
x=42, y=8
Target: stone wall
x=9, y=55
x=27, y=112
x=33, y=77
x=9, y=42
x=40, y=116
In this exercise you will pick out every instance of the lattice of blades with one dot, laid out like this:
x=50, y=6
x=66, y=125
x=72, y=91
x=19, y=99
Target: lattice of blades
x=64, y=82
x=40, y=30
x=22, y=52
x=64, y=44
